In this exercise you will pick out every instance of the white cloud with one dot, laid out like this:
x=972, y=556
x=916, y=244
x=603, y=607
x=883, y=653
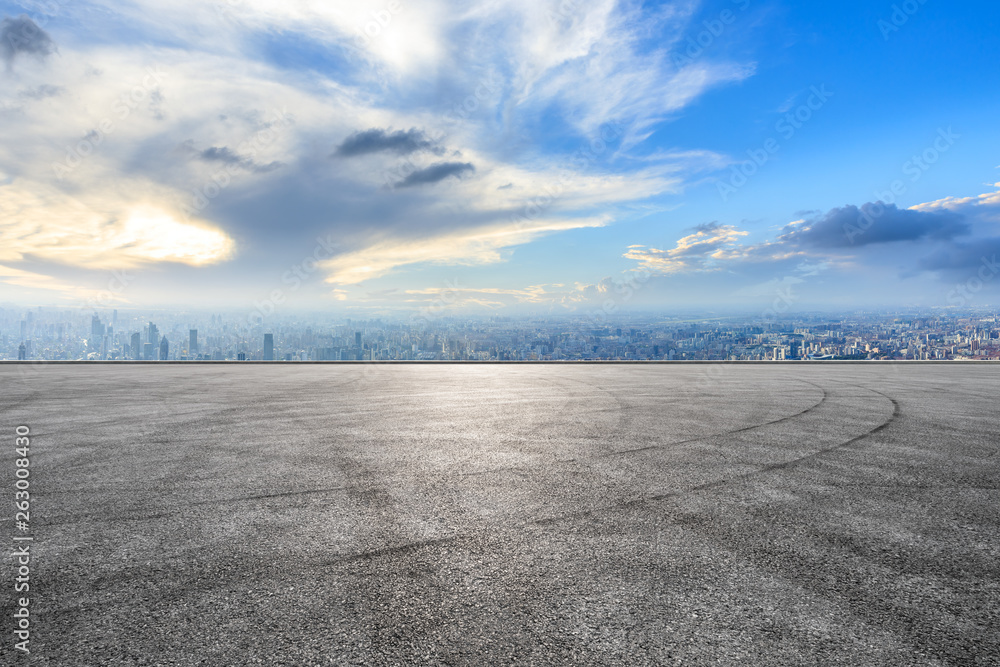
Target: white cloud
x=100, y=231
x=465, y=247
x=698, y=251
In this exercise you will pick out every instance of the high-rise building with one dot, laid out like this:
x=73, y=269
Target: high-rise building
x=357, y=339
x=147, y=352
x=136, y=346
x=164, y=349
x=268, y=347
x=193, y=342
x=153, y=335
x=96, y=332
x=22, y=352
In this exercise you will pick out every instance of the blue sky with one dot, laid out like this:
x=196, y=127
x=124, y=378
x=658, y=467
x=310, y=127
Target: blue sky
x=500, y=157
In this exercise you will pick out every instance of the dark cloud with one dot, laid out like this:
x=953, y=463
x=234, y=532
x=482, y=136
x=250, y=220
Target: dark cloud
x=220, y=154
x=376, y=140
x=22, y=35
x=434, y=173
x=41, y=92
x=965, y=257
x=225, y=155
x=851, y=227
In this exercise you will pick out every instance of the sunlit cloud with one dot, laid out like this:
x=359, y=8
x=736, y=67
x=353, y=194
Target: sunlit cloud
x=466, y=248
x=698, y=251
x=50, y=226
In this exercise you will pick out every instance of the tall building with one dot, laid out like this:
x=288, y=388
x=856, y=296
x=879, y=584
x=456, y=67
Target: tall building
x=153, y=335
x=357, y=339
x=193, y=343
x=164, y=349
x=268, y=347
x=96, y=332
x=147, y=352
x=22, y=353
x=136, y=346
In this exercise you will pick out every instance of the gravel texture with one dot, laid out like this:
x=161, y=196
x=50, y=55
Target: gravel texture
x=254, y=514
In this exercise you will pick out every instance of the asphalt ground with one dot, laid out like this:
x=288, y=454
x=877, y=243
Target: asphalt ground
x=253, y=514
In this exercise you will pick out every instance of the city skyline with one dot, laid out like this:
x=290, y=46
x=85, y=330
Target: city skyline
x=392, y=157
x=58, y=335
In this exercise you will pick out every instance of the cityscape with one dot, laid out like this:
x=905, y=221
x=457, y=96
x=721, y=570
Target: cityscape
x=53, y=334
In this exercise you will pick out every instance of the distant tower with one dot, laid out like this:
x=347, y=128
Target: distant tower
x=268, y=347
x=153, y=335
x=357, y=339
x=193, y=343
x=96, y=332
x=22, y=352
x=164, y=349
x=147, y=352
x=136, y=346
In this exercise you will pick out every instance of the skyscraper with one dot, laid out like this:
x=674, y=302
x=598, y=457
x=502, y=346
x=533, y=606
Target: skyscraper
x=96, y=332
x=268, y=347
x=193, y=343
x=22, y=352
x=153, y=335
x=357, y=339
x=164, y=349
x=136, y=346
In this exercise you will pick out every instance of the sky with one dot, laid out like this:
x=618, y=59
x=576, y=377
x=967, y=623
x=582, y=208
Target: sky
x=499, y=157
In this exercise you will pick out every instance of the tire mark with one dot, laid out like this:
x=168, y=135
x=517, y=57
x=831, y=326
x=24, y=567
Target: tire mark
x=548, y=521
x=739, y=430
x=392, y=551
x=81, y=518
x=528, y=469
x=896, y=413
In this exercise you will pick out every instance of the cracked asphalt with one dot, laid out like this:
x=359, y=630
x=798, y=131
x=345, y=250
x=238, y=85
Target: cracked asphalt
x=694, y=514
